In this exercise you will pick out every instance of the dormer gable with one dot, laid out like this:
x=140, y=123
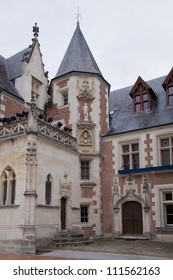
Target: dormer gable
x=143, y=96
x=168, y=87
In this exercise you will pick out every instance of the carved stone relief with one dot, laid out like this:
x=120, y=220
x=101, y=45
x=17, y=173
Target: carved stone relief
x=85, y=89
x=31, y=156
x=65, y=187
x=85, y=138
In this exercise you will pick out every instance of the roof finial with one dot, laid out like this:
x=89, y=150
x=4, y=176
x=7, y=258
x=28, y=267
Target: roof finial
x=78, y=16
x=36, y=31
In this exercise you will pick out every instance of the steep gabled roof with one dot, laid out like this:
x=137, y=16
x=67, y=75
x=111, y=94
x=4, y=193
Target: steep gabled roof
x=78, y=57
x=15, y=63
x=5, y=82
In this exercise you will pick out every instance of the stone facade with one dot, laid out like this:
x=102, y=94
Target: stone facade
x=67, y=161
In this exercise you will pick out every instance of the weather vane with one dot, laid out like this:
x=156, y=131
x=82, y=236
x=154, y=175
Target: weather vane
x=78, y=15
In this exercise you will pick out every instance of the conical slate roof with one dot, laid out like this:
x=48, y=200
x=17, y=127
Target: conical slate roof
x=78, y=57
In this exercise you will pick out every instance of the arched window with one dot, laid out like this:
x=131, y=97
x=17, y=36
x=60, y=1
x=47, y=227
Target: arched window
x=48, y=189
x=8, y=186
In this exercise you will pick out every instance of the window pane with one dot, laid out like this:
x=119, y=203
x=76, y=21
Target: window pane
x=137, y=98
x=65, y=99
x=126, y=162
x=165, y=157
x=84, y=214
x=13, y=183
x=169, y=214
x=170, y=99
x=145, y=106
x=135, y=147
x=85, y=170
x=164, y=142
x=170, y=90
x=5, y=193
x=135, y=161
x=137, y=108
x=168, y=196
x=145, y=96
x=48, y=192
x=125, y=148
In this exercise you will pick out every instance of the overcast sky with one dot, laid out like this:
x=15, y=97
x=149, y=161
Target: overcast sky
x=128, y=38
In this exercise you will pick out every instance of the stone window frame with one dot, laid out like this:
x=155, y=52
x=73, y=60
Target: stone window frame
x=85, y=174
x=8, y=187
x=160, y=203
x=65, y=97
x=131, y=153
x=164, y=148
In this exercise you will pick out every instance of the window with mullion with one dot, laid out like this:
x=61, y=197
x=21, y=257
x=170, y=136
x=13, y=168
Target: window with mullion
x=168, y=206
x=84, y=213
x=141, y=102
x=130, y=156
x=166, y=150
x=85, y=170
x=170, y=96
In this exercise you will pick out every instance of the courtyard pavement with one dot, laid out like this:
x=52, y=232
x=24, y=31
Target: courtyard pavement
x=104, y=249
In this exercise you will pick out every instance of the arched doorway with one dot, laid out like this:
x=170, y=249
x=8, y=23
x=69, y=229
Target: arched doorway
x=63, y=212
x=132, y=218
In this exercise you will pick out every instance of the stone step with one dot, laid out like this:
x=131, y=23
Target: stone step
x=132, y=237
x=71, y=243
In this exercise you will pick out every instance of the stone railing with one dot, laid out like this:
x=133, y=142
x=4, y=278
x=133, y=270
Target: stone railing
x=56, y=134
x=20, y=128
x=13, y=129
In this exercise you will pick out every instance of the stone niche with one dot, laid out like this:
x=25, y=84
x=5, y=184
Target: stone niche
x=85, y=138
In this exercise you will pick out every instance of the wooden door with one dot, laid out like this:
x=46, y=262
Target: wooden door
x=63, y=213
x=132, y=218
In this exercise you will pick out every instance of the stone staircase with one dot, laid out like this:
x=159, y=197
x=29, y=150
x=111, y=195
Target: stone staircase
x=68, y=238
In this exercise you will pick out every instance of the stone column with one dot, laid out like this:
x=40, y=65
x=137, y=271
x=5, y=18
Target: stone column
x=29, y=233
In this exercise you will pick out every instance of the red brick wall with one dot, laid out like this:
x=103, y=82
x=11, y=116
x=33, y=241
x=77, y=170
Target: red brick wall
x=59, y=113
x=62, y=83
x=107, y=175
x=12, y=106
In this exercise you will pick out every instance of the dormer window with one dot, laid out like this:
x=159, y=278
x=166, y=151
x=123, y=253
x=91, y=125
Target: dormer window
x=143, y=96
x=141, y=102
x=168, y=87
x=170, y=96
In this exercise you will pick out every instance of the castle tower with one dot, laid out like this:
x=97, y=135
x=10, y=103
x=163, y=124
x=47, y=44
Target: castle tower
x=79, y=93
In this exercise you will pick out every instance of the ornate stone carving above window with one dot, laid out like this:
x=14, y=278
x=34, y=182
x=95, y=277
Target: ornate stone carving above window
x=85, y=90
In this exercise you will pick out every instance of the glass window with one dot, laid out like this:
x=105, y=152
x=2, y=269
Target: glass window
x=65, y=98
x=141, y=102
x=84, y=213
x=168, y=206
x=48, y=190
x=8, y=186
x=130, y=156
x=166, y=150
x=170, y=96
x=85, y=170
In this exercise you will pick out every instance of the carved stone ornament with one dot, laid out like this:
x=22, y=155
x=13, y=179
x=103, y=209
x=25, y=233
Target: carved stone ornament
x=31, y=156
x=115, y=186
x=85, y=91
x=145, y=184
x=65, y=187
x=85, y=138
x=32, y=117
